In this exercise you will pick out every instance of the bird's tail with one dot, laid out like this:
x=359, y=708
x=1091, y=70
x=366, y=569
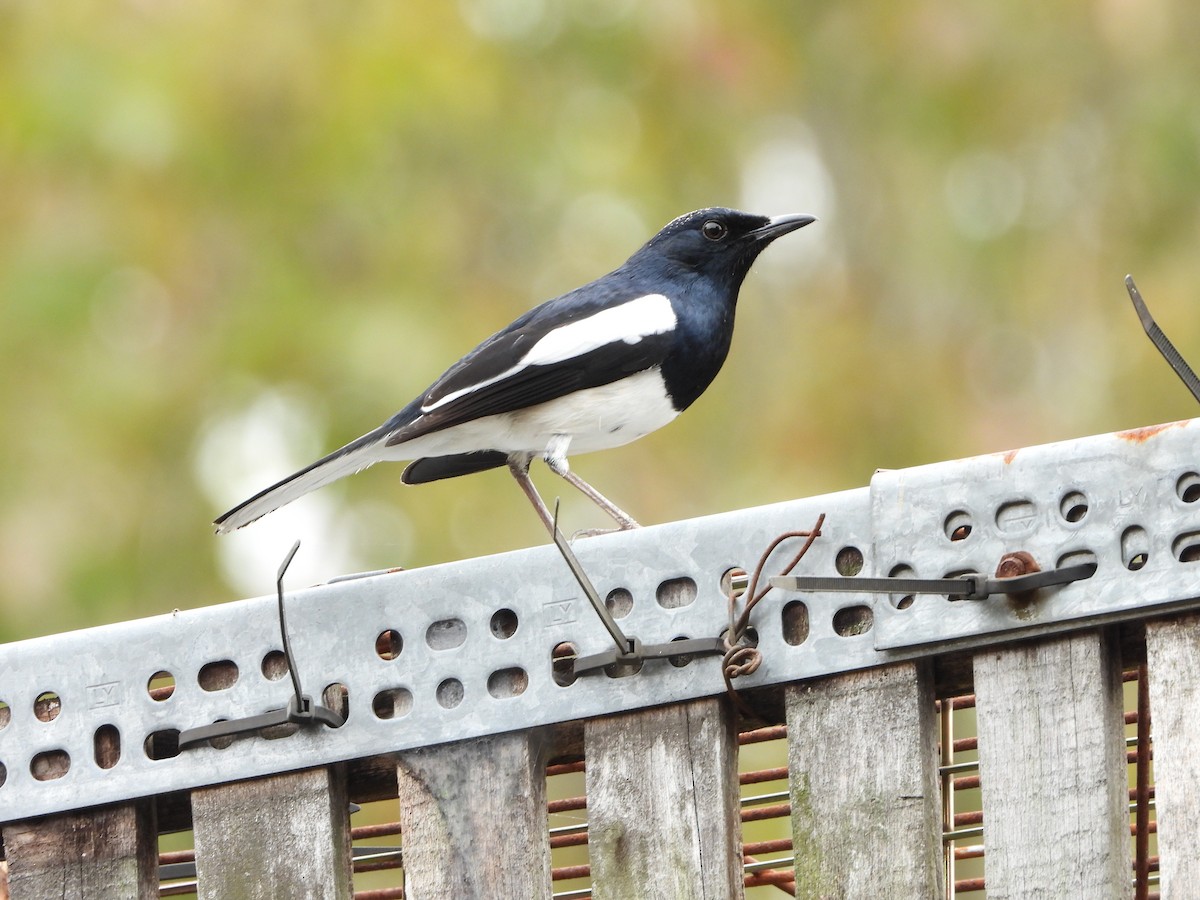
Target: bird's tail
x=354, y=457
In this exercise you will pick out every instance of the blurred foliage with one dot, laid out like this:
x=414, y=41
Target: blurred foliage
x=234, y=236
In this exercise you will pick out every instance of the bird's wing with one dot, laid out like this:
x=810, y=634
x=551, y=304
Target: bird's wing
x=543, y=357
x=584, y=339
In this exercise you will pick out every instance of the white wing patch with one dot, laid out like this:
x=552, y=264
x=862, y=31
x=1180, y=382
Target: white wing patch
x=630, y=322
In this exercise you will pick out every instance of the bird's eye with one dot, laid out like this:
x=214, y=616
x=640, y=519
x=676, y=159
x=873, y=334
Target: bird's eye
x=713, y=230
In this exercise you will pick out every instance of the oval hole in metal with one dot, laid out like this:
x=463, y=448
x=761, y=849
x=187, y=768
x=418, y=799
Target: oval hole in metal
x=1135, y=547
x=795, y=622
x=50, y=765
x=218, y=676
x=619, y=602
x=1075, y=558
x=336, y=696
x=682, y=659
x=277, y=732
x=162, y=744
x=1188, y=487
x=958, y=525
x=1073, y=506
x=505, y=683
x=446, y=634
x=622, y=669
x=850, y=621
x=393, y=703
x=1186, y=547
x=562, y=663
x=902, y=570
x=676, y=592
x=106, y=746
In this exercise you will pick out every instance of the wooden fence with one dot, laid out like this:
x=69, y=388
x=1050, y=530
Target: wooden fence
x=870, y=772
x=662, y=794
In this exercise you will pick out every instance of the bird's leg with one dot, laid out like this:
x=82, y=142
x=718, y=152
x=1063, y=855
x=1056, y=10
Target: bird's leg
x=619, y=515
x=556, y=459
x=518, y=465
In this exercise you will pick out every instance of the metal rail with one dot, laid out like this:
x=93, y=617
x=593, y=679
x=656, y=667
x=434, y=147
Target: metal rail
x=485, y=645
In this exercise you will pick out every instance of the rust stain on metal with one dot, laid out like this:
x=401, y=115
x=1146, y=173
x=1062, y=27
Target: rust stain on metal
x=1141, y=435
x=1012, y=565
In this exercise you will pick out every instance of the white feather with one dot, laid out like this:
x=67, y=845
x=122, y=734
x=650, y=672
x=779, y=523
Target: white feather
x=319, y=475
x=595, y=419
x=629, y=323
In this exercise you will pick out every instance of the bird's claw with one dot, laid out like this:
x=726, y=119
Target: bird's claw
x=593, y=532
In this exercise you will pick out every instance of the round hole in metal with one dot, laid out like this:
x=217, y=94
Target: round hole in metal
x=389, y=644
x=503, y=624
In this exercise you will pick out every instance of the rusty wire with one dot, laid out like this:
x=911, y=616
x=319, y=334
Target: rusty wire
x=743, y=658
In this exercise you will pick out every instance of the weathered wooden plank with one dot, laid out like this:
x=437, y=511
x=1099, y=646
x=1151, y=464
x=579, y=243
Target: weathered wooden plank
x=862, y=764
x=663, y=816
x=1173, y=661
x=473, y=818
x=106, y=852
x=1053, y=769
x=283, y=836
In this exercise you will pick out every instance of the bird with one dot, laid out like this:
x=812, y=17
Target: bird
x=595, y=368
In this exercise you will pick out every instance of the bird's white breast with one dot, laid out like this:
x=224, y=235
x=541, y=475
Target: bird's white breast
x=595, y=419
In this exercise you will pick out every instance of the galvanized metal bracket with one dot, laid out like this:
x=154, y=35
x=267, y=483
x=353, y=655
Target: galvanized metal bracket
x=448, y=652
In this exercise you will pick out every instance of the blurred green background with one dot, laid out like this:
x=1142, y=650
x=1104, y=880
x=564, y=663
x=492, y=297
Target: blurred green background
x=234, y=236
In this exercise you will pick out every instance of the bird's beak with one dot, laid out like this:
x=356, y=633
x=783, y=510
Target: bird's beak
x=780, y=225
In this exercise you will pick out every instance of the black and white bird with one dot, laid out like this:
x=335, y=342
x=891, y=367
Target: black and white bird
x=598, y=367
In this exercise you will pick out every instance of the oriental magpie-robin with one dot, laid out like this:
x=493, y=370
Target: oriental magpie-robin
x=598, y=367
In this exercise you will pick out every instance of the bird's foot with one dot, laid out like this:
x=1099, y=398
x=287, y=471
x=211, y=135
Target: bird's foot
x=593, y=532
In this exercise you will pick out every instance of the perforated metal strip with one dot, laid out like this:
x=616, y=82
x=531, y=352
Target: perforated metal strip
x=476, y=638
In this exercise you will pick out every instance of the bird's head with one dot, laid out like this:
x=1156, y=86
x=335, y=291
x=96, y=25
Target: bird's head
x=717, y=242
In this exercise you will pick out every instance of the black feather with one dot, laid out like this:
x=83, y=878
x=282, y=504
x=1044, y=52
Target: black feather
x=435, y=468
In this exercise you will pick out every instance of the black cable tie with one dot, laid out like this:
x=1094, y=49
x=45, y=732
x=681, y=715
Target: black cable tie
x=640, y=651
x=1173, y=357
x=300, y=709
x=965, y=587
